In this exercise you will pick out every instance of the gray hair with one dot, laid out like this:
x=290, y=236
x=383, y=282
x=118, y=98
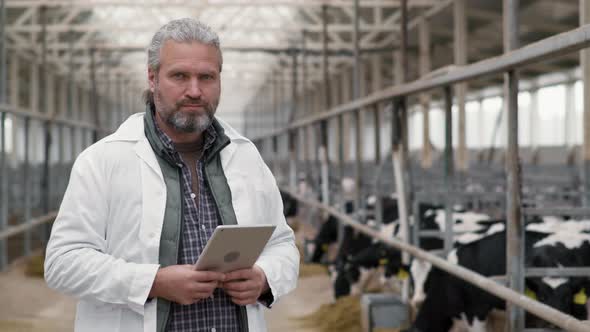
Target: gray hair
x=184, y=30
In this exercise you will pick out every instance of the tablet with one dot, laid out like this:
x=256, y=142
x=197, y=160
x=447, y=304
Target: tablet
x=234, y=247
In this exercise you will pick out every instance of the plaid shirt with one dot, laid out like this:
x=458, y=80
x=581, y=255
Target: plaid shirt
x=216, y=314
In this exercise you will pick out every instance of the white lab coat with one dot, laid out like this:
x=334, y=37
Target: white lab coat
x=104, y=243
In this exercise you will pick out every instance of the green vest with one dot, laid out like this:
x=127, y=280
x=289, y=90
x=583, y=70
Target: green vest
x=172, y=225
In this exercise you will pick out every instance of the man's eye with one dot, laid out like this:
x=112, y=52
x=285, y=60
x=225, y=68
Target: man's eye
x=179, y=75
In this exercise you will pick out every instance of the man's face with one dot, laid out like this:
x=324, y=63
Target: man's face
x=187, y=86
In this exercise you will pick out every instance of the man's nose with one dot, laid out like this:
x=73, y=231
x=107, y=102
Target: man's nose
x=193, y=89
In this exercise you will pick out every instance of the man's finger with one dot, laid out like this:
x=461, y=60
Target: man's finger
x=243, y=302
x=208, y=276
x=205, y=286
x=238, y=285
x=241, y=295
x=239, y=275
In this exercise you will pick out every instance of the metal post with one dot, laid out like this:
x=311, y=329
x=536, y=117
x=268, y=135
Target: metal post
x=400, y=143
x=323, y=153
x=3, y=152
x=43, y=87
x=449, y=170
x=325, y=161
x=569, y=133
x=294, y=105
x=340, y=144
x=356, y=93
x=460, y=50
x=3, y=60
x=377, y=121
x=59, y=176
x=292, y=137
x=377, y=80
x=3, y=187
x=119, y=102
x=27, y=186
x=70, y=78
x=305, y=108
x=585, y=64
x=74, y=145
x=514, y=227
x=94, y=95
x=425, y=67
x=378, y=203
x=398, y=155
x=325, y=64
x=107, y=102
x=358, y=160
x=275, y=120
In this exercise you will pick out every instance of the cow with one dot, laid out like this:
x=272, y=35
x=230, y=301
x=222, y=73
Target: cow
x=289, y=205
x=445, y=297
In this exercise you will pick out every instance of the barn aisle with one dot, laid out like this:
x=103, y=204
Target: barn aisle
x=30, y=306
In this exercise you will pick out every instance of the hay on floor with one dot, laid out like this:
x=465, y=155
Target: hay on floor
x=34, y=266
x=310, y=270
x=342, y=316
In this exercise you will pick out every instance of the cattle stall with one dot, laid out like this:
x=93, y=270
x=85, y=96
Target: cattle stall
x=397, y=97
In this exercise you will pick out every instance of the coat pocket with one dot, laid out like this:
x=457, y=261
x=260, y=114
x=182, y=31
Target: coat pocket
x=98, y=317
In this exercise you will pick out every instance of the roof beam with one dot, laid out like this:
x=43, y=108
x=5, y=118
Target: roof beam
x=95, y=27
x=218, y=3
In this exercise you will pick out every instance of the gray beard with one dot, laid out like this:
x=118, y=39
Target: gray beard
x=189, y=124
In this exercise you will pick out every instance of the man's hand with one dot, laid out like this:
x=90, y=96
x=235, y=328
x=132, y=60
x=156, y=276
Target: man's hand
x=182, y=284
x=245, y=286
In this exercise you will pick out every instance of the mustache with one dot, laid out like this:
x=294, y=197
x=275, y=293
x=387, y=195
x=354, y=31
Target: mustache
x=191, y=102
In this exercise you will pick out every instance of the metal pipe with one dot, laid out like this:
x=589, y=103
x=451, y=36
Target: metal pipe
x=358, y=160
x=585, y=69
x=325, y=64
x=294, y=83
x=62, y=158
x=305, y=107
x=292, y=137
x=515, y=259
x=356, y=93
x=340, y=144
x=3, y=59
x=449, y=170
x=539, y=309
x=551, y=47
x=325, y=161
x=25, y=227
x=3, y=152
x=119, y=101
x=94, y=95
x=3, y=190
x=43, y=87
x=27, y=187
x=45, y=117
x=74, y=139
x=377, y=121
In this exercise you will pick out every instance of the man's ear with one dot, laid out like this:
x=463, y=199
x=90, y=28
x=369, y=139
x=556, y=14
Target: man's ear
x=152, y=79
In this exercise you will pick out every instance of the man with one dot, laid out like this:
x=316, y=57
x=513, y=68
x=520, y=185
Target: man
x=142, y=203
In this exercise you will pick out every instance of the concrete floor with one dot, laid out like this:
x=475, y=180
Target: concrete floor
x=28, y=305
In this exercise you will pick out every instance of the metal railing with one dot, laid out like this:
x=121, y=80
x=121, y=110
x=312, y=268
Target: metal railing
x=506, y=64
x=489, y=285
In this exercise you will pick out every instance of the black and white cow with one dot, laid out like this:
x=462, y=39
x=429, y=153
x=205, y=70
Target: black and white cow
x=445, y=297
x=355, y=266
x=289, y=205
